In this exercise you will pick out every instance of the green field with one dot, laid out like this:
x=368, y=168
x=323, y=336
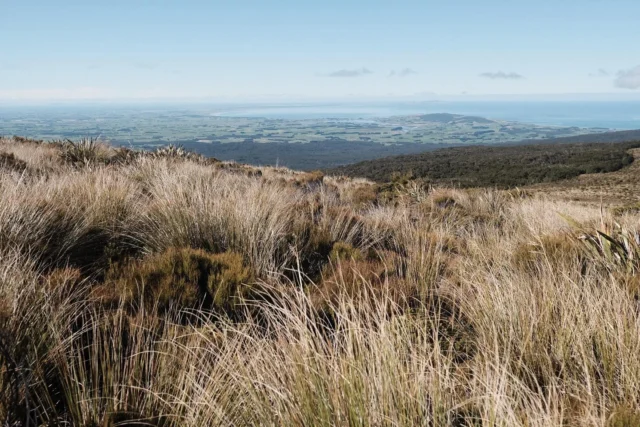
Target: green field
x=300, y=143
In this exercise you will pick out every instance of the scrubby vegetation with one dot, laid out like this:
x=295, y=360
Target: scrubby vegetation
x=502, y=167
x=603, y=137
x=166, y=289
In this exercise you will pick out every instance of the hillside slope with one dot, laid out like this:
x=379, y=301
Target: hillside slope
x=501, y=166
x=620, y=188
x=164, y=288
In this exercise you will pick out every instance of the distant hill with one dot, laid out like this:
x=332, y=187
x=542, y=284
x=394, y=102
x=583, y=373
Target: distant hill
x=453, y=118
x=497, y=166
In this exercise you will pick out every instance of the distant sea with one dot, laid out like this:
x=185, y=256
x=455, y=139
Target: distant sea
x=619, y=115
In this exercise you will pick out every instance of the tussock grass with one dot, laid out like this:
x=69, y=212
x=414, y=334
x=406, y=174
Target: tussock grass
x=169, y=290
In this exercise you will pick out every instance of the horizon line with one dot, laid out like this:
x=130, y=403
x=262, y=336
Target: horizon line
x=288, y=99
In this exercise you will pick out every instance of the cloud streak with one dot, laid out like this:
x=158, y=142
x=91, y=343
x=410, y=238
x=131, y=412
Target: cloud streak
x=350, y=73
x=600, y=73
x=628, y=79
x=145, y=65
x=54, y=94
x=402, y=73
x=10, y=66
x=501, y=75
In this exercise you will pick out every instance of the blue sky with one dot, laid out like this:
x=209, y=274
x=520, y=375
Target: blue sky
x=239, y=49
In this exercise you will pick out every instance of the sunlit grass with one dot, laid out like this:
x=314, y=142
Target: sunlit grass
x=164, y=290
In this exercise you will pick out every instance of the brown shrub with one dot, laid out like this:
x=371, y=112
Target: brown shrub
x=443, y=201
x=315, y=237
x=61, y=278
x=9, y=162
x=364, y=195
x=630, y=209
x=518, y=194
x=548, y=251
x=180, y=278
x=310, y=179
x=313, y=245
x=355, y=274
x=23, y=140
x=342, y=251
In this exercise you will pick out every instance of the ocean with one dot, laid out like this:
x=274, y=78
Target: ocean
x=618, y=115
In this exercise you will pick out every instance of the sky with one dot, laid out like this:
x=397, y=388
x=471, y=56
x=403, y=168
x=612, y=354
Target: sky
x=296, y=50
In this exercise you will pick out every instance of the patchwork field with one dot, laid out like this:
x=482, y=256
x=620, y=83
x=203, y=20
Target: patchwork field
x=296, y=143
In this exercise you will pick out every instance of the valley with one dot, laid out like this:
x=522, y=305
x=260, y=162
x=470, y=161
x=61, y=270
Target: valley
x=308, y=143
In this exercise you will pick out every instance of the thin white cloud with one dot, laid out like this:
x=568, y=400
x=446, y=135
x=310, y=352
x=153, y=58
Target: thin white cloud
x=53, y=94
x=628, y=79
x=11, y=66
x=402, y=73
x=600, y=73
x=146, y=65
x=350, y=73
x=501, y=75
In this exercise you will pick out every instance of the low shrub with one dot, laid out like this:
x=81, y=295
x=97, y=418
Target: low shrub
x=313, y=246
x=23, y=140
x=86, y=152
x=9, y=162
x=181, y=278
x=549, y=250
x=443, y=201
x=356, y=274
x=125, y=156
x=310, y=180
x=614, y=246
x=518, y=193
x=342, y=251
x=630, y=209
x=396, y=188
x=364, y=195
